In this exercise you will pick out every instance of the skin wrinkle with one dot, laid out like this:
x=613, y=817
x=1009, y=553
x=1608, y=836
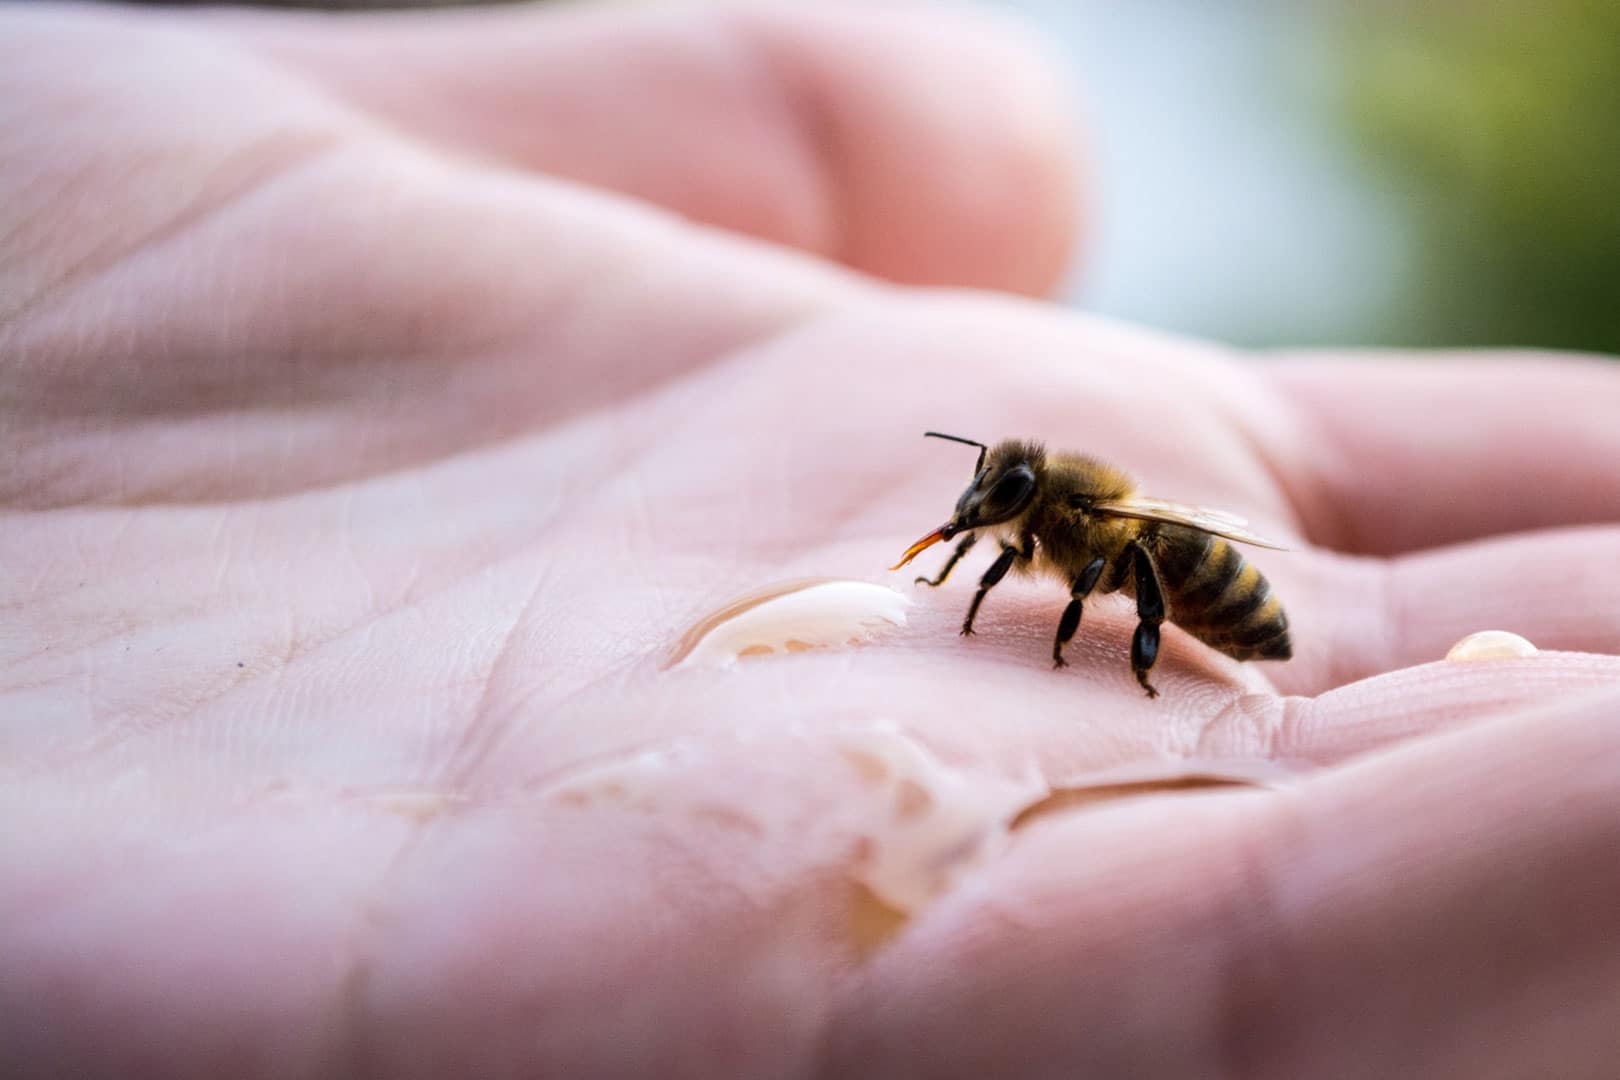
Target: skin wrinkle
x=1258, y=713
x=113, y=631
x=461, y=766
x=467, y=753
x=247, y=169
x=1288, y=735
x=733, y=355
x=651, y=401
x=647, y=664
x=260, y=165
x=82, y=176
x=296, y=653
x=346, y=373
x=588, y=496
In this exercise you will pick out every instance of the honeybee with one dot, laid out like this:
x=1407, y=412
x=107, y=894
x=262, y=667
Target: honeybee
x=1082, y=520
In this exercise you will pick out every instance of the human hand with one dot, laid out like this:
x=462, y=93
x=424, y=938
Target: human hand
x=361, y=475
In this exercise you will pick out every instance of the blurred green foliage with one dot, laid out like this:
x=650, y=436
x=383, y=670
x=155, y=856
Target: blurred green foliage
x=1500, y=122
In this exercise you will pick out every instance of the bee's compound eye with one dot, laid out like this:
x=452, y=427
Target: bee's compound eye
x=1013, y=489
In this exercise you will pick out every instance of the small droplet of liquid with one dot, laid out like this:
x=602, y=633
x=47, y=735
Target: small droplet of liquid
x=791, y=617
x=1491, y=645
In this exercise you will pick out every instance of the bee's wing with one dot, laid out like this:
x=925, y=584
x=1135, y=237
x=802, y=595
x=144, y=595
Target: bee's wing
x=1218, y=522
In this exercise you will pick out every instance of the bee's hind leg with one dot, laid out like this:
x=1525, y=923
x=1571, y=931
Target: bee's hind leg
x=950, y=564
x=1150, y=610
x=1071, y=615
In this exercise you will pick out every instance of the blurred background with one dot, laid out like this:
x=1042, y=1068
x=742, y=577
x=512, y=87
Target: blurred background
x=1369, y=172
x=1352, y=171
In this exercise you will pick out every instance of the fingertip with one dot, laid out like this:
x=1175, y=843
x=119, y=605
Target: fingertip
x=1382, y=711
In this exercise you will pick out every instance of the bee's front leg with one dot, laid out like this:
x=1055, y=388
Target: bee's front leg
x=962, y=549
x=1150, y=610
x=1071, y=615
x=997, y=571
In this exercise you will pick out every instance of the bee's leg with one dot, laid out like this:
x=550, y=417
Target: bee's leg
x=997, y=571
x=1071, y=614
x=1150, y=610
x=950, y=564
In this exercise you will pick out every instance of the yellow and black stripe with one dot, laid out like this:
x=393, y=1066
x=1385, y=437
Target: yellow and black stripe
x=1219, y=597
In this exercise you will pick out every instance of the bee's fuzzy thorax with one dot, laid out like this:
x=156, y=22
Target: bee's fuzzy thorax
x=1090, y=476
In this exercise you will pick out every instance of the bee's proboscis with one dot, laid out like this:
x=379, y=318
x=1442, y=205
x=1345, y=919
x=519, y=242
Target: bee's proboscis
x=920, y=546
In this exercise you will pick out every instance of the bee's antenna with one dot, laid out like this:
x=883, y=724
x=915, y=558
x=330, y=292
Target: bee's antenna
x=983, y=449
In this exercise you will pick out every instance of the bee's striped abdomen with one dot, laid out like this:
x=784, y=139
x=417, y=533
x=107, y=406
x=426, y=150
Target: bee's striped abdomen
x=1217, y=596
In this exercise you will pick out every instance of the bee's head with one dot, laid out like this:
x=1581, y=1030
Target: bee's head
x=1004, y=484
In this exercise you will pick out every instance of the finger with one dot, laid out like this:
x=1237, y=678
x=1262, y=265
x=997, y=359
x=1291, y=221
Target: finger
x=1446, y=909
x=1356, y=618
x=241, y=271
x=922, y=145
x=1392, y=455
x=1378, y=712
x=1451, y=907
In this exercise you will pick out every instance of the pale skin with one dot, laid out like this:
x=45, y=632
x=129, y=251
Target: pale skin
x=372, y=427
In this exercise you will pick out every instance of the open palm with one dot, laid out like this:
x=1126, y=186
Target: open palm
x=361, y=476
